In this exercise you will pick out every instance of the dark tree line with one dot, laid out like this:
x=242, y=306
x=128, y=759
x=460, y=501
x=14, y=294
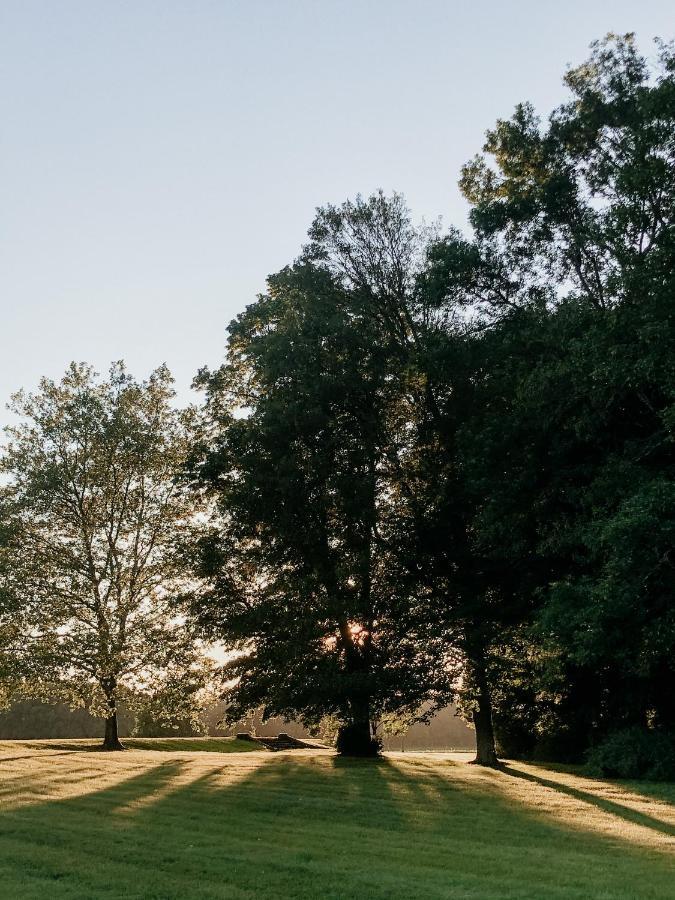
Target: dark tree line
x=443, y=467
x=432, y=468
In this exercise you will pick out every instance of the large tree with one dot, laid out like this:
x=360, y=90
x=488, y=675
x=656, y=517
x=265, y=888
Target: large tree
x=578, y=460
x=360, y=347
x=96, y=519
x=373, y=250
x=308, y=420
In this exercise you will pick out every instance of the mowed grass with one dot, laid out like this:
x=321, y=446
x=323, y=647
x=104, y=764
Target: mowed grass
x=164, y=745
x=78, y=823
x=193, y=745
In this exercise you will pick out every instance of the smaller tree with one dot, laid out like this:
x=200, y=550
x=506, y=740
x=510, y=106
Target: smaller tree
x=95, y=524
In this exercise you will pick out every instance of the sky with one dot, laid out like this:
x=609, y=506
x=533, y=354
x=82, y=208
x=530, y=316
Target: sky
x=159, y=159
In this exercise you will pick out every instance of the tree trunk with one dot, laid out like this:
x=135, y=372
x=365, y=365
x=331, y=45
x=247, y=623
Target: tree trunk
x=486, y=753
x=111, y=739
x=355, y=738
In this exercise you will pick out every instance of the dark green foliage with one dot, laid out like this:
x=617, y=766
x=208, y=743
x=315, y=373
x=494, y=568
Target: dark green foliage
x=634, y=753
x=297, y=576
x=578, y=472
x=432, y=453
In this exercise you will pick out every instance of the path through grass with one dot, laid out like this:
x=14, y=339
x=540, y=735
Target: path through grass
x=77, y=824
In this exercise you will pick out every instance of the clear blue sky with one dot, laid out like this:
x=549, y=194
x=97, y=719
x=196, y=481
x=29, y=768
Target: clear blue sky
x=159, y=159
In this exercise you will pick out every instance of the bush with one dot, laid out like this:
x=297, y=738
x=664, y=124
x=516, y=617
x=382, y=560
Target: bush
x=634, y=753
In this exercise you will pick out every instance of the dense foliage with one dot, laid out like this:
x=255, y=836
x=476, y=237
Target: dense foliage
x=468, y=442
x=94, y=519
x=302, y=580
x=583, y=210
x=432, y=467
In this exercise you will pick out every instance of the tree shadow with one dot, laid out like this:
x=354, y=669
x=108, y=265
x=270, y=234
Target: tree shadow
x=311, y=827
x=657, y=790
x=635, y=817
x=379, y=780
x=7, y=759
x=67, y=747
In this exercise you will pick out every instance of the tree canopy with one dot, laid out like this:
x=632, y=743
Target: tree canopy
x=96, y=521
x=433, y=466
x=497, y=410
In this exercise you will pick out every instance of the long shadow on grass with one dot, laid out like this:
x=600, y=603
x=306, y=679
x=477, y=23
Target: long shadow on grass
x=657, y=790
x=609, y=806
x=70, y=751
x=121, y=793
x=311, y=827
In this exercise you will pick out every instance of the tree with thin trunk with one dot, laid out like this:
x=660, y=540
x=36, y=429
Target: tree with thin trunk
x=93, y=559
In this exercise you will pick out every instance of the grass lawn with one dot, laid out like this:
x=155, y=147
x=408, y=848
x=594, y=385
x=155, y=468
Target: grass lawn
x=193, y=745
x=180, y=824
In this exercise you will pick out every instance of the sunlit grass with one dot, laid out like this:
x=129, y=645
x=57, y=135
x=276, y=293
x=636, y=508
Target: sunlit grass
x=308, y=825
x=192, y=745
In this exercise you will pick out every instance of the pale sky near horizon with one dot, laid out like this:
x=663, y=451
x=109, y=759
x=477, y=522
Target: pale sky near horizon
x=159, y=158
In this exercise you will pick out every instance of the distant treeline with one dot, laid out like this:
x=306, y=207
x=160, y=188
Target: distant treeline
x=433, y=468
x=27, y=720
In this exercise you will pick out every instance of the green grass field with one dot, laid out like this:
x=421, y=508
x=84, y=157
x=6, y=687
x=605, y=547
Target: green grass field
x=201, y=745
x=182, y=824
